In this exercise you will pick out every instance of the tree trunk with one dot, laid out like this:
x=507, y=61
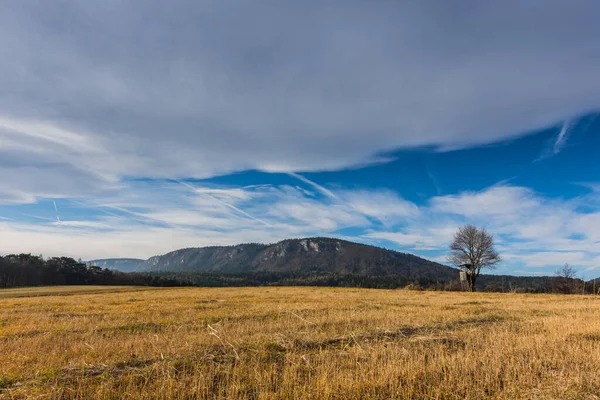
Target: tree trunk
x=472, y=279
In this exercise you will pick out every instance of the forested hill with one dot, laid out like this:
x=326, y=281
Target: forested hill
x=301, y=256
x=19, y=270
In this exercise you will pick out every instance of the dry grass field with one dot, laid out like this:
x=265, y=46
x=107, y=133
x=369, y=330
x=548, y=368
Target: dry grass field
x=296, y=343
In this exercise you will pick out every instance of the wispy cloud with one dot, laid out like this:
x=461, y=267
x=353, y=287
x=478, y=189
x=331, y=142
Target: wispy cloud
x=563, y=136
x=315, y=185
x=384, y=205
x=56, y=209
x=207, y=192
x=260, y=213
x=526, y=224
x=559, y=142
x=84, y=224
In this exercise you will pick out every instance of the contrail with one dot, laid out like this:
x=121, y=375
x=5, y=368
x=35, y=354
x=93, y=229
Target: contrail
x=320, y=188
x=140, y=217
x=328, y=193
x=98, y=206
x=434, y=181
x=225, y=204
x=238, y=210
x=561, y=140
x=38, y=217
x=56, y=209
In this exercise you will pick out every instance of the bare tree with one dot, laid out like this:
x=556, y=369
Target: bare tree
x=565, y=279
x=471, y=250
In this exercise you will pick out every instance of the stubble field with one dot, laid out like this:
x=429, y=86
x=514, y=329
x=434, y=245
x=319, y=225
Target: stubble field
x=296, y=343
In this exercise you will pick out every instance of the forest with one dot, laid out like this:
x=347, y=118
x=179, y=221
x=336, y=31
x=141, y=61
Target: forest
x=20, y=270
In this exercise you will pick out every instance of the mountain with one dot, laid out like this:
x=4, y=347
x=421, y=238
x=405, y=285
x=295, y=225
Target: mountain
x=119, y=264
x=301, y=256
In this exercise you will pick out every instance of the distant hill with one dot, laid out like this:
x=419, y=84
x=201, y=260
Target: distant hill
x=317, y=262
x=118, y=264
x=301, y=256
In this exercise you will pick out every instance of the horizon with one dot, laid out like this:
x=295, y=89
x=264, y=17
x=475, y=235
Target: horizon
x=486, y=271
x=129, y=132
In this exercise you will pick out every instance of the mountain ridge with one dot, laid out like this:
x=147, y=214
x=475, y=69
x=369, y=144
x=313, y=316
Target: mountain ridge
x=303, y=255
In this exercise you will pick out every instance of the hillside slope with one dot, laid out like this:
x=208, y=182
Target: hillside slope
x=305, y=256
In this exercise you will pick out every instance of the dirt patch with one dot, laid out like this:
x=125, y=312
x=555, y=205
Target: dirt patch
x=400, y=334
x=76, y=315
x=490, y=319
x=473, y=303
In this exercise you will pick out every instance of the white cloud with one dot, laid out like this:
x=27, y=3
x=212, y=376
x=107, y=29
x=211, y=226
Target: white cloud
x=415, y=241
x=132, y=241
x=550, y=258
x=199, y=90
x=83, y=224
x=197, y=218
x=148, y=218
x=498, y=201
x=173, y=215
x=530, y=230
x=384, y=205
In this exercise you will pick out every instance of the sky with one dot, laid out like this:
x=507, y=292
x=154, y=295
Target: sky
x=133, y=128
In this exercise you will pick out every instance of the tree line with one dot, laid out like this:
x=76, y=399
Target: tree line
x=486, y=283
x=20, y=270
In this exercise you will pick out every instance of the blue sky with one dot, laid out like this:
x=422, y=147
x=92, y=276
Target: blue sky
x=133, y=130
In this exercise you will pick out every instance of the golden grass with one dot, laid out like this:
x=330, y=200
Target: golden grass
x=67, y=290
x=297, y=343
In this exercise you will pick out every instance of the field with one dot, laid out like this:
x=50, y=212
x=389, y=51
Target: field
x=296, y=343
